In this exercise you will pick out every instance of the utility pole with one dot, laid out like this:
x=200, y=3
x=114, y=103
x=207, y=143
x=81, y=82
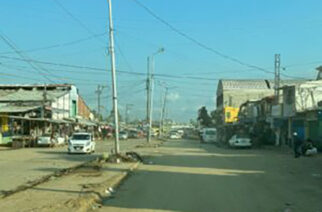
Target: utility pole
x=99, y=92
x=114, y=89
x=148, y=80
x=163, y=112
x=150, y=88
x=43, y=109
x=127, y=109
x=277, y=77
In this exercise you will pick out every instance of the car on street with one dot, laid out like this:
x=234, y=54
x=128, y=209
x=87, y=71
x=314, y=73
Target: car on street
x=45, y=140
x=133, y=134
x=81, y=143
x=240, y=141
x=209, y=135
x=123, y=135
x=48, y=140
x=174, y=135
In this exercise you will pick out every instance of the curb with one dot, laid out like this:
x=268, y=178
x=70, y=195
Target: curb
x=94, y=199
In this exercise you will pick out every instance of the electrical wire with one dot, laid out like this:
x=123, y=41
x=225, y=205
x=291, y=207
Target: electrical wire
x=60, y=45
x=24, y=57
x=198, y=43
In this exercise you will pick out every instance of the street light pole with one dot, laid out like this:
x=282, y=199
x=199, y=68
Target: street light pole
x=150, y=91
x=114, y=89
x=163, y=112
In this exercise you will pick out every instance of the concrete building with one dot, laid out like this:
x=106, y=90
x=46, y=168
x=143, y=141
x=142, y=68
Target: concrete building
x=303, y=109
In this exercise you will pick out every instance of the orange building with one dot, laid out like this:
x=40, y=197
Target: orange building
x=83, y=110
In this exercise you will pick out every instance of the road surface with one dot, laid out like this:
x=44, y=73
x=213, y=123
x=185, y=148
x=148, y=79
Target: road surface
x=188, y=176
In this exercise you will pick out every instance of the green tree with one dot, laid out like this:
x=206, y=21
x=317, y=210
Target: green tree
x=204, y=118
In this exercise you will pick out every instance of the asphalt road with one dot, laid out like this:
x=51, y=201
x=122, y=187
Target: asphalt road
x=23, y=165
x=188, y=176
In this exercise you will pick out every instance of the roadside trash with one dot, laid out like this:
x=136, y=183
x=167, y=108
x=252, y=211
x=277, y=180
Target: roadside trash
x=135, y=156
x=96, y=206
x=110, y=189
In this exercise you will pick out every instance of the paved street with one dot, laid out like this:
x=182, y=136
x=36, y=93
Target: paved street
x=23, y=165
x=188, y=176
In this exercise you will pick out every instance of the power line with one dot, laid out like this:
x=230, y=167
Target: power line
x=198, y=43
x=104, y=70
x=34, y=66
x=73, y=17
x=60, y=45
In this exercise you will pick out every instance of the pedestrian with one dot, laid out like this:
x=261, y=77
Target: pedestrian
x=308, y=148
x=297, y=145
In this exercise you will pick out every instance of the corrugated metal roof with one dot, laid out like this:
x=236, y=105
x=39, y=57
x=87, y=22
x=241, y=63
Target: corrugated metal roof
x=29, y=95
x=255, y=83
x=17, y=109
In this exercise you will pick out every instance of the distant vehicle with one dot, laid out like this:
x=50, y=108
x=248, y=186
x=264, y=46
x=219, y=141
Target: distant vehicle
x=45, y=140
x=81, y=143
x=174, y=135
x=209, y=135
x=181, y=132
x=133, y=134
x=123, y=135
x=240, y=141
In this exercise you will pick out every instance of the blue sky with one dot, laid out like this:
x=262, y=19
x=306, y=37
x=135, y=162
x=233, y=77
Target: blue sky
x=252, y=31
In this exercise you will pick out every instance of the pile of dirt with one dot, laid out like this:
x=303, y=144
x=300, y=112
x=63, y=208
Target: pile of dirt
x=127, y=157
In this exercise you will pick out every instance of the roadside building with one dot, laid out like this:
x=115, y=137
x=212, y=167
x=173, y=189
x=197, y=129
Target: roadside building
x=35, y=109
x=303, y=109
x=232, y=94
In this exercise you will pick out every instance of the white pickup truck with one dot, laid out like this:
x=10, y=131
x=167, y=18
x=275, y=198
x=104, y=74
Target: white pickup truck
x=81, y=143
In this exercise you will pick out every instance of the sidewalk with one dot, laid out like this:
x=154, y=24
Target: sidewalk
x=78, y=191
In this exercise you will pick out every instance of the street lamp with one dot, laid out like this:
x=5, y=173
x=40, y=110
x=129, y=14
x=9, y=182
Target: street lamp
x=150, y=88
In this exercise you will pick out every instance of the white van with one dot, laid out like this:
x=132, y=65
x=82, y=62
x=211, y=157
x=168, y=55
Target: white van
x=209, y=135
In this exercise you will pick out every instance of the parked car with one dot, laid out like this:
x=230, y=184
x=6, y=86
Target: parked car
x=133, y=134
x=209, y=135
x=48, y=140
x=240, y=141
x=81, y=143
x=174, y=135
x=45, y=140
x=123, y=135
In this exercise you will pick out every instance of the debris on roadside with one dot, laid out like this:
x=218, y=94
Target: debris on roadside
x=127, y=157
x=148, y=145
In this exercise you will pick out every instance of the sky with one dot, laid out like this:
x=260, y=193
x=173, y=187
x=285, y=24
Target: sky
x=75, y=33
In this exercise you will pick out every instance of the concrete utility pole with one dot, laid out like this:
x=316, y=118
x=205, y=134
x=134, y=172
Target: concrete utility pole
x=163, y=111
x=114, y=89
x=127, y=109
x=148, y=97
x=277, y=77
x=150, y=89
x=99, y=92
x=43, y=109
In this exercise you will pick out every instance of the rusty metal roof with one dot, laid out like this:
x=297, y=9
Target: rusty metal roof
x=255, y=83
x=17, y=109
x=22, y=95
